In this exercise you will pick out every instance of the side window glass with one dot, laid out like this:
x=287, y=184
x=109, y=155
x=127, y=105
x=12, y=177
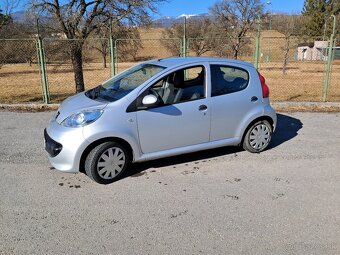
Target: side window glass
x=181, y=86
x=227, y=79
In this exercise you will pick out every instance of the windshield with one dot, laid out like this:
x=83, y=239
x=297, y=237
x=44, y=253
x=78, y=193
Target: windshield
x=122, y=84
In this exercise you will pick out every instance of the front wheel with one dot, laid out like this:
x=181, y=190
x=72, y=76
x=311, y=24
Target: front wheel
x=106, y=162
x=258, y=137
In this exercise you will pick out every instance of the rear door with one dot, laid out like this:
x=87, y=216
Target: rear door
x=232, y=99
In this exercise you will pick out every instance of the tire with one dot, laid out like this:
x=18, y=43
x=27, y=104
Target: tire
x=258, y=137
x=107, y=162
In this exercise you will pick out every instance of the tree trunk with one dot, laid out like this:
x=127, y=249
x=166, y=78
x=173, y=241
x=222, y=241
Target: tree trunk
x=285, y=60
x=77, y=63
x=237, y=48
x=104, y=59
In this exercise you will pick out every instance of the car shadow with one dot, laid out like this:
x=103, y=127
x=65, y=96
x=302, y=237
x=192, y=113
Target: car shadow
x=287, y=128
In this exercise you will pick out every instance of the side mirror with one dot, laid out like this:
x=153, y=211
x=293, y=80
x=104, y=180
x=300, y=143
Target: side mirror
x=150, y=100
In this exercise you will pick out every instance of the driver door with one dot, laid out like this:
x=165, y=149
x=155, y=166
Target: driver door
x=182, y=117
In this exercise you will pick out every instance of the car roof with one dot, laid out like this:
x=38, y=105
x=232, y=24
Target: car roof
x=178, y=61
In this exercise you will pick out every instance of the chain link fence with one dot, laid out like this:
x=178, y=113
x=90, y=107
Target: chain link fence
x=19, y=72
x=223, y=47
x=130, y=51
x=294, y=70
x=60, y=70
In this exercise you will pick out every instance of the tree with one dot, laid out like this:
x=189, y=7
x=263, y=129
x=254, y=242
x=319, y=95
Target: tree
x=120, y=31
x=77, y=19
x=317, y=13
x=6, y=8
x=236, y=18
x=200, y=33
x=290, y=26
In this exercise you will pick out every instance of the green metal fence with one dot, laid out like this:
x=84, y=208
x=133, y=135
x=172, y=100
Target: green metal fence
x=19, y=71
x=41, y=70
x=294, y=70
x=60, y=73
x=130, y=51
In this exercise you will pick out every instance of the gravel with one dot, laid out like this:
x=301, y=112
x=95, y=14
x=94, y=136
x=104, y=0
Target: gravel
x=285, y=200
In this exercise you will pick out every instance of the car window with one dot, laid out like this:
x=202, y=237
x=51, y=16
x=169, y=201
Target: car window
x=227, y=79
x=122, y=84
x=181, y=86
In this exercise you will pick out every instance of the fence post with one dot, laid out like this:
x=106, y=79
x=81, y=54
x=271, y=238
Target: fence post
x=181, y=47
x=115, y=50
x=330, y=56
x=257, y=46
x=42, y=67
x=185, y=37
x=112, y=52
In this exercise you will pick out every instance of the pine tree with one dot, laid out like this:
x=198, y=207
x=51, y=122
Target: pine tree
x=316, y=13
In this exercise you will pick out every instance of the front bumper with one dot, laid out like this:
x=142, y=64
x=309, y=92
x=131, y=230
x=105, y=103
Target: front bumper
x=52, y=147
x=64, y=146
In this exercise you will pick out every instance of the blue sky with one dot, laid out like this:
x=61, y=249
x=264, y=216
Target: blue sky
x=178, y=7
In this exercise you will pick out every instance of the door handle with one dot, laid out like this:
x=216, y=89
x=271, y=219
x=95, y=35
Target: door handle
x=254, y=99
x=202, y=107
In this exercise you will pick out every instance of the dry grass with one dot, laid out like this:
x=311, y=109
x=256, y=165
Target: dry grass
x=303, y=81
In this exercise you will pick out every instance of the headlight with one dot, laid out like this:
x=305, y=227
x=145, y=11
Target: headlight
x=82, y=118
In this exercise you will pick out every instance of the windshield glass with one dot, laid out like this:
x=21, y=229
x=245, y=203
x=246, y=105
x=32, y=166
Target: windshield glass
x=122, y=84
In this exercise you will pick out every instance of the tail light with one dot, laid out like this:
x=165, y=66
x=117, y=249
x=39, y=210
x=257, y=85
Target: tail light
x=265, y=89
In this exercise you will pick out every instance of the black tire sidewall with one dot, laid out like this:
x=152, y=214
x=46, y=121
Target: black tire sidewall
x=246, y=141
x=93, y=157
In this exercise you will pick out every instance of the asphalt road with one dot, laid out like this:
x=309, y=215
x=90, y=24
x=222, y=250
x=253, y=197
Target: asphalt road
x=285, y=200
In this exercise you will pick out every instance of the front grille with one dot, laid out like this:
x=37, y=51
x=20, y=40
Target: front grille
x=52, y=147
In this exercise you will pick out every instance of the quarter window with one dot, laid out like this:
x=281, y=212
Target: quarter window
x=226, y=80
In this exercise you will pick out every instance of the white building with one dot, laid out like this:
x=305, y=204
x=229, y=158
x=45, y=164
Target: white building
x=313, y=51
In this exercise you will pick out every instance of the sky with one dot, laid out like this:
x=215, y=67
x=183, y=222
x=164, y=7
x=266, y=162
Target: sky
x=177, y=7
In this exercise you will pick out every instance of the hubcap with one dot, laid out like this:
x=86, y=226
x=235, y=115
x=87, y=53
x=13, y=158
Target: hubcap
x=259, y=137
x=111, y=163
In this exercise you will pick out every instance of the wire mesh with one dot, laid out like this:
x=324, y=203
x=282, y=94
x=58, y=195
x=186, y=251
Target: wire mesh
x=223, y=47
x=294, y=70
x=60, y=57
x=19, y=71
x=131, y=51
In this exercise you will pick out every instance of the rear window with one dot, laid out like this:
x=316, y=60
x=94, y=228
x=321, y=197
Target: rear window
x=227, y=79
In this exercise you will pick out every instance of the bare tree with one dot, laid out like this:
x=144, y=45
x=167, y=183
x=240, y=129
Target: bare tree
x=121, y=31
x=77, y=19
x=200, y=33
x=6, y=8
x=290, y=26
x=236, y=18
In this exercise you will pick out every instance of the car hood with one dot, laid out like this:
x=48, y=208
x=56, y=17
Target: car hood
x=76, y=104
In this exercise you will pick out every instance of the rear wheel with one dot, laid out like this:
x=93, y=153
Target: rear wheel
x=106, y=162
x=258, y=137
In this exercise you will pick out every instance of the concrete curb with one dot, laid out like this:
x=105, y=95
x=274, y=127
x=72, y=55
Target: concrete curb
x=306, y=106
x=279, y=106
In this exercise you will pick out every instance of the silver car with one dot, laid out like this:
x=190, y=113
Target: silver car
x=160, y=108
